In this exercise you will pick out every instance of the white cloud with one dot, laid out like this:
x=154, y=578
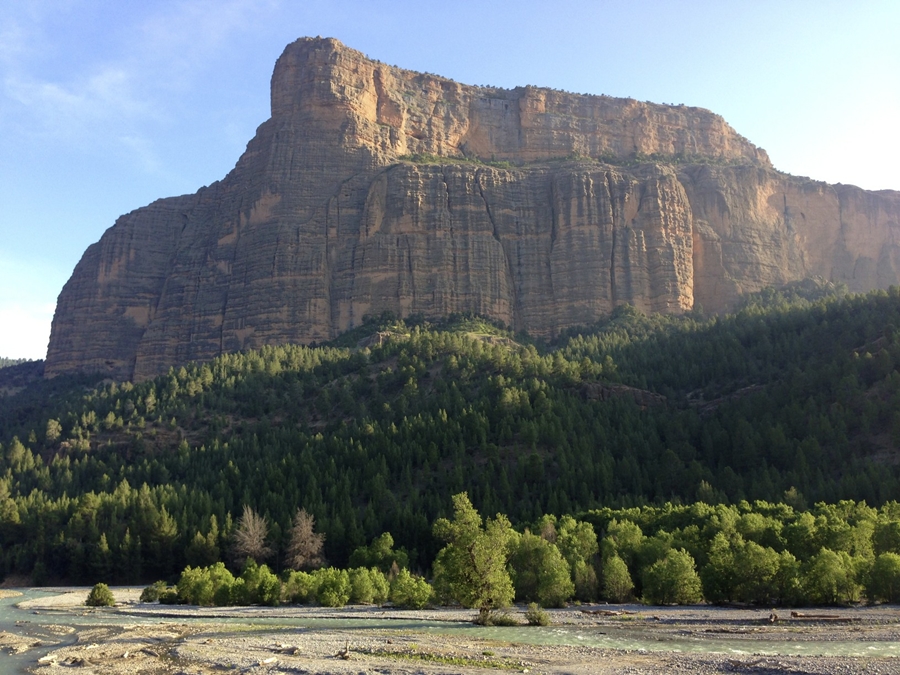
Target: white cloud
x=26, y=329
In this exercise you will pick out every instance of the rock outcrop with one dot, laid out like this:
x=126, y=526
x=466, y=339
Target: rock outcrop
x=374, y=188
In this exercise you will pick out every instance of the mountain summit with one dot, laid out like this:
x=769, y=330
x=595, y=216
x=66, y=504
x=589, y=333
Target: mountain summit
x=374, y=188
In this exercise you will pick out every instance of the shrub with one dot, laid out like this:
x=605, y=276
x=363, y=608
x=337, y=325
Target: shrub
x=381, y=586
x=535, y=616
x=367, y=586
x=300, y=588
x=169, y=597
x=585, y=577
x=261, y=586
x=410, y=591
x=496, y=619
x=153, y=591
x=333, y=587
x=100, y=596
x=207, y=586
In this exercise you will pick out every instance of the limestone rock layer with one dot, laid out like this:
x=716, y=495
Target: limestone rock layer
x=373, y=188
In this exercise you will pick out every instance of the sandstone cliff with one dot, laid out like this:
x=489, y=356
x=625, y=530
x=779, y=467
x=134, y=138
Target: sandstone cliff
x=373, y=188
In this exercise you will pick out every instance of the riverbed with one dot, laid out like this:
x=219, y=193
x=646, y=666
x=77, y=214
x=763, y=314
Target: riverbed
x=43, y=630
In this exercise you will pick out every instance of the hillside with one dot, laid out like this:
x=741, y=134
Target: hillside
x=793, y=398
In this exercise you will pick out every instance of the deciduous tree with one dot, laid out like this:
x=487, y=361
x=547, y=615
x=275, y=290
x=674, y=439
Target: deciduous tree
x=471, y=569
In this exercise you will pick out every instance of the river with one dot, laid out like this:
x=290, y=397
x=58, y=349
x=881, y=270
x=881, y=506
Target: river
x=639, y=637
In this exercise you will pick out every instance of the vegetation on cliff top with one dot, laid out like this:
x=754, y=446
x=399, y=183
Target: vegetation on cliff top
x=793, y=399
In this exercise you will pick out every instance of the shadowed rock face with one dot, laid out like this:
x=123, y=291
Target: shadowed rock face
x=537, y=221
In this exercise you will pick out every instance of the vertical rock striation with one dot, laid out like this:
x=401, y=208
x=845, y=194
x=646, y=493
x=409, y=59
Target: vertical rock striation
x=374, y=188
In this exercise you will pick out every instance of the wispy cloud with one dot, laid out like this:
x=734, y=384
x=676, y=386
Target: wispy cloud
x=184, y=39
x=113, y=93
x=72, y=110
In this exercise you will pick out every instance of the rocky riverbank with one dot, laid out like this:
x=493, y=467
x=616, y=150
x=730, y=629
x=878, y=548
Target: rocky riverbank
x=149, y=639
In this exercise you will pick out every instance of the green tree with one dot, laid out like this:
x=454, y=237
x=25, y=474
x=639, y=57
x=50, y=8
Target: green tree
x=471, y=568
x=380, y=553
x=361, y=588
x=577, y=541
x=410, y=591
x=540, y=573
x=829, y=578
x=53, y=431
x=617, y=583
x=884, y=579
x=757, y=574
x=672, y=580
x=206, y=586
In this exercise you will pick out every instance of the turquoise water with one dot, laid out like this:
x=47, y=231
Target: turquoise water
x=633, y=638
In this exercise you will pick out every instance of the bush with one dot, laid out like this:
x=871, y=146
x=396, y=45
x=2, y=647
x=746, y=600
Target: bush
x=367, y=586
x=333, y=587
x=380, y=553
x=169, y=597
x=152, y=592
x=300, y=588
x=585, y=577
x=261, y=586
x=496, y=619
x=410, y=591
x=206, y=586
x=381, y=585
x=362, y=591
x=100, y=596
x=535, y=616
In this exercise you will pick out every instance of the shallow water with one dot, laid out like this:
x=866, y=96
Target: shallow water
x=20, y=621
x=635, y=638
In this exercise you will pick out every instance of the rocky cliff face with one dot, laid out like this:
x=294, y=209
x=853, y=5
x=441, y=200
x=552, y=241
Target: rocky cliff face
x=373, y=188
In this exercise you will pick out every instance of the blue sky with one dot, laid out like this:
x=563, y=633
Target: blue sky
x=108, y=105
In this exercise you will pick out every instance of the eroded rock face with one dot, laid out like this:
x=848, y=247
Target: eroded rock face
x=538, y=221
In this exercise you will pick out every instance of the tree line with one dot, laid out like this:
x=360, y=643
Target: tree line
x=760, y=554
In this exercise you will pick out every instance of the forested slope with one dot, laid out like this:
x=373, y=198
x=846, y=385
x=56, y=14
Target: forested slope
x=793, y=399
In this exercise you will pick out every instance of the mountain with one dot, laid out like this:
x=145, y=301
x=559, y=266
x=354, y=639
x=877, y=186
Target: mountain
x=794, y=398
x=372, y=188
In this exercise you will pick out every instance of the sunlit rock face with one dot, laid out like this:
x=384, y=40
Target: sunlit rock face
x=545, y=211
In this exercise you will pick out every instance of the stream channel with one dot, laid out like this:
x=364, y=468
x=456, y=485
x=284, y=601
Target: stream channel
x=636, y=638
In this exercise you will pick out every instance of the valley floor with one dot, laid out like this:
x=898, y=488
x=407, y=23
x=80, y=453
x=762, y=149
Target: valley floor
x=152, y=639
